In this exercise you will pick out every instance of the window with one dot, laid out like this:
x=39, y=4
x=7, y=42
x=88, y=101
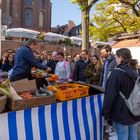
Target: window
x=28, y=17
x=41, y=18
x=28, y=2
x=77, y=32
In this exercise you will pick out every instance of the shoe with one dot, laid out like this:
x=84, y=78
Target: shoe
x=109, y=129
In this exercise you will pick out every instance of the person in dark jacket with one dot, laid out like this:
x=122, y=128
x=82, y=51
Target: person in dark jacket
x=51, y=64
x=114, y=107
x=109, y=64
x=81, y=66
x=135, y=67
x=24, y=60
x=8, y=63
x=93, y=70
x=44, y=58
x=72, y=65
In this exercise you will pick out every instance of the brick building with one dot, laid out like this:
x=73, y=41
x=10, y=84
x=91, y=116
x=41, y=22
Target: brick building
x=32, y=14
x=69, y=29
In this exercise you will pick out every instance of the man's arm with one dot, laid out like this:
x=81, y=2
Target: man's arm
x=32, y=60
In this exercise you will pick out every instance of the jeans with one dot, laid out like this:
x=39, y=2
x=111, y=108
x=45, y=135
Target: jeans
x=126, y=132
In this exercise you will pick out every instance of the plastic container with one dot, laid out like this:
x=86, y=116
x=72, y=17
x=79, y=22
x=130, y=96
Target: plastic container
x=81, y=91
x=65, y=92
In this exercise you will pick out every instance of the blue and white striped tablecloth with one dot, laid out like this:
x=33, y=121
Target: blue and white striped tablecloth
x=79, y=119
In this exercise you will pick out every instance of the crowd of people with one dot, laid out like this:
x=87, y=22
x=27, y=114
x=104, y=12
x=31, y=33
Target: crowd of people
x=7, y=62
x=92, y=69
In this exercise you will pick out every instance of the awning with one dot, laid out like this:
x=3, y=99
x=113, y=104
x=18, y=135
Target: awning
x=54, y=37
x=21, y=33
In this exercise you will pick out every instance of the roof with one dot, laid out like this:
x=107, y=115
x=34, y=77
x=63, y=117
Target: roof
x=127, y=43
x=72, y=32
x=125, y=36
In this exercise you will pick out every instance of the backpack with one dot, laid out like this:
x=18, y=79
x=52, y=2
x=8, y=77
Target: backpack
x=133, y=102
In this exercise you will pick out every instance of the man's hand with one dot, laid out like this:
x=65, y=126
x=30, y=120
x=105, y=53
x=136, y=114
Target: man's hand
x=48, y=69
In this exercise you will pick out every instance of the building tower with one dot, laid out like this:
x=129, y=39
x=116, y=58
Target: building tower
x=32, y=14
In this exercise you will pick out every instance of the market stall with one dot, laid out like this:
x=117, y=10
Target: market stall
x=78, y=119
x=21, y=32
x=62, y=111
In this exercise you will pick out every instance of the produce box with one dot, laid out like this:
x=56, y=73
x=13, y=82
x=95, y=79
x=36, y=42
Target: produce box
x=65, y=92
x=93, y=89
x=28, y=86
x=81, y=90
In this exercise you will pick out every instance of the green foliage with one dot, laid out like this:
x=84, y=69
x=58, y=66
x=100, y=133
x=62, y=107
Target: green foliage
x=83, y=4
x=111, y=20
x=40, y=36
x=133, y=4
x=66, y=42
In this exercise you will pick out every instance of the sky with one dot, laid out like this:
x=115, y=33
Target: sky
x=63, y=10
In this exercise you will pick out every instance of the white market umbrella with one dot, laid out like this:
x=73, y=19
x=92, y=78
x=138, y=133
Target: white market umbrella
x=21, y=32
x=76, y=40
x=54, y=37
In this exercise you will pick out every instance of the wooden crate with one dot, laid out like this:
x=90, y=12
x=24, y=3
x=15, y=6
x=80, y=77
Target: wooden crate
x=3, y=99
x=26, y=85
x=15, y=105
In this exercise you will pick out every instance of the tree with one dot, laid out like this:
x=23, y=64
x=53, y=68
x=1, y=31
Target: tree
x=85, y=6
x=133, y=4
x=41, y=38
x=113, y=18
x=66, y=42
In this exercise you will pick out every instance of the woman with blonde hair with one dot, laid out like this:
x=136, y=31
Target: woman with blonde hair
x=93, y=70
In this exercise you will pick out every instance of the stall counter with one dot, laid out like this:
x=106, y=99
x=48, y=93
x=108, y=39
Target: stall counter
x=78, y=119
